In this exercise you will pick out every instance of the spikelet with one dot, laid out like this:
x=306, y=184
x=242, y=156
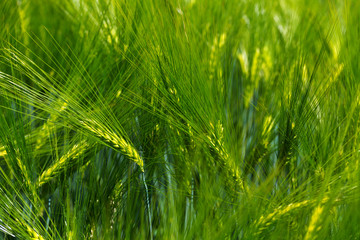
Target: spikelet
x=39, y=134
x=267, y=220
x=335, y=46
x=64, y=161
x=117, y=191
x=216, y=142
x=2, y=152
x=260, y=69
x=305, y=75
x=191, y=135
x=288, y=85
x=117, y=142
x=244, y=64
x=268, y=126
x=111, y=36
x=34, y=235
x=336, y=73
x=255, y=64
x=313, y=225
x=214, y=63
x=264, y=222
x=250, y=87
x=261, y=65
x=23, y=170
x=266, y=64
x=190, y=3
x=222, y=39
x=44, y=132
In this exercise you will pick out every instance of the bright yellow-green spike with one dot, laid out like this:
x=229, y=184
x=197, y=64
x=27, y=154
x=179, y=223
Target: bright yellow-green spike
x=116, y=193
x=34, y=234
x=2, y=152
x=52, y=171
x=261, y=65
x=268, y=126
x=40, y=134
x=255, y=65
x=216, y=141
x=47, y=127
x=305, y=74
x=314, y=223
x=242, y=57
x=31, y=232
x=260, y=69
x=337, y=72
x=266, y=64
x=24, y=171
x=215, y=68
x=267, y=220
x=116, y=141
x=222, y=40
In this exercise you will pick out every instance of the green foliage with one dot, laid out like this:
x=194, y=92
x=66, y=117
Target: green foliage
x=187, y=119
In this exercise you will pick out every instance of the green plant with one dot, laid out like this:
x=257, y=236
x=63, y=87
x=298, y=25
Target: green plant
x=179, y=119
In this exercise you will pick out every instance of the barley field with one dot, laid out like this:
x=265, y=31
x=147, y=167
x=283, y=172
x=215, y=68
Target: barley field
x=179, y=119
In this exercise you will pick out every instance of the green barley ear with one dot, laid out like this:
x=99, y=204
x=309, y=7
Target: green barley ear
x=265, y=221
x=2, y=151
x=115, y=141
x=222, y=158
x=314, y=227
x=14, y=159
x=64, y=162
x=48, y=126
x=33, y=234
